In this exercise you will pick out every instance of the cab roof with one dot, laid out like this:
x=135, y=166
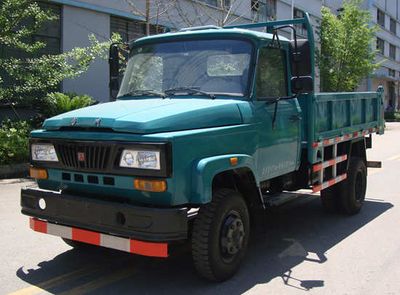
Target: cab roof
x=208, y=32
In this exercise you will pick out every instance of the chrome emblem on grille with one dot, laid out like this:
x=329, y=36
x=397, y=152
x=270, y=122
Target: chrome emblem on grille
x=97, y=122
x=81, y=157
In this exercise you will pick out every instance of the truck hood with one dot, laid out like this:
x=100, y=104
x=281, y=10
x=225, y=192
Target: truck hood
x=146, y=116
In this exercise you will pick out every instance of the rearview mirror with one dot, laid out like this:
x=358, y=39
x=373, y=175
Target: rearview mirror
x=113, y=62
x=300, y=57
x=302, y=84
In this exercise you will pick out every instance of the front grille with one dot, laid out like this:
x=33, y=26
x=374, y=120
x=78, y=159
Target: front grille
x=83, y=156
x=102, y=157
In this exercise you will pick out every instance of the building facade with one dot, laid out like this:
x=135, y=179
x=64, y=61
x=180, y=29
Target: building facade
x=386, y=14
x=77, y=19
x=80, y=18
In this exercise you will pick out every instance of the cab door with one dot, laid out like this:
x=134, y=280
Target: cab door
x=277, y=117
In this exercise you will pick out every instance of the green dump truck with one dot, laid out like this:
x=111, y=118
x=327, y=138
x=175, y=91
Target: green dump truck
x=210, y=126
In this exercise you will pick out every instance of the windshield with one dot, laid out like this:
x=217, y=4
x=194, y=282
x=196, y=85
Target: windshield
x=210, y=67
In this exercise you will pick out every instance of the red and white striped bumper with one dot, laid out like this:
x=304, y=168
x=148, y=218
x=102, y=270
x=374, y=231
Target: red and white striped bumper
x=100, y=239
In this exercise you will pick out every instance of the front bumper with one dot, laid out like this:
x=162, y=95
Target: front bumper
x=152, y=249
x=119, y=219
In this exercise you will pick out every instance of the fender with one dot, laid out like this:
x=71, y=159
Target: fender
x=206, y=169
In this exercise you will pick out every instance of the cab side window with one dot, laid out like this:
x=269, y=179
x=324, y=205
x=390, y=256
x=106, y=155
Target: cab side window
x=271, y=78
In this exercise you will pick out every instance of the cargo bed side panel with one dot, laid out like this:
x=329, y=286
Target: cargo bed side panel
x=338, y=115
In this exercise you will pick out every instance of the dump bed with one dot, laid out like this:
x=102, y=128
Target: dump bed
x=337, y=114
x=339, y=117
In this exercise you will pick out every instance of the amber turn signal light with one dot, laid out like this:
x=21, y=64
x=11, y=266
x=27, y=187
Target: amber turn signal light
x=157, y=186
x=233, y=161
x=38, y=173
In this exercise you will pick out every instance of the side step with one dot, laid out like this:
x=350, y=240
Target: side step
x=276, y=200
x=374, y=164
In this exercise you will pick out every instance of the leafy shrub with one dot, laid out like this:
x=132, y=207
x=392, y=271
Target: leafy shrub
x=14, y=142
x=58, y=103
x=389, y=115
x=392, y=116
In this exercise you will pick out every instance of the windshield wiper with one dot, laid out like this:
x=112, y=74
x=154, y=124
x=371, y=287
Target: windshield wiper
x=189, y=90
x=140, y=92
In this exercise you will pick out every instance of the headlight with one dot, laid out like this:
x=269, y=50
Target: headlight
x=140, y=159
x=43, y=152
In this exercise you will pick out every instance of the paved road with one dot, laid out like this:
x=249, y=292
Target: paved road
x=301, y=250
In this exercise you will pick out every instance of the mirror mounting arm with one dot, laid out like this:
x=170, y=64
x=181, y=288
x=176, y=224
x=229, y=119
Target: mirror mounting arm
x=295, y=53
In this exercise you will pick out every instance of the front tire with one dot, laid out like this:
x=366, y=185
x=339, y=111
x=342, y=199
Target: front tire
x=220, y=235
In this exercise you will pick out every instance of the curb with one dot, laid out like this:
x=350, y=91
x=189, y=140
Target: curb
x=13, y=171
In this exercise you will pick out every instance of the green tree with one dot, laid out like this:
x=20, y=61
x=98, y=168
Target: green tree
x=346, y=55
x=32, y=74
x=14, y=138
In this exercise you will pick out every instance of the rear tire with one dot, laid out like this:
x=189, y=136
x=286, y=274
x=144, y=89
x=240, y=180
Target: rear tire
x=220, y=235
x=353, y=189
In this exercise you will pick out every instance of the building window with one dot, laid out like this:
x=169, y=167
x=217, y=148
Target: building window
x=271, y=73
x=263, y=10
x=392, y=52
x=271, y=9
x=392, y=73
x=258, y=10
x=380, y=16
x=210, y=2
x=393, y=25
x=255, y=5
x=49, y=34
x=300, y=29
x=127, y=29
x=131, y=29
x=380, y=46
x=227, y=3
x=218, y=3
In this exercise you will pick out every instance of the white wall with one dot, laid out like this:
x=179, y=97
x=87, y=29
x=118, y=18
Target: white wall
x=77, y=25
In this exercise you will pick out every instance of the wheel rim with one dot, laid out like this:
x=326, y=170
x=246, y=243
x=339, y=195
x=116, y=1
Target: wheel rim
x=359, y=187
x=232, y=236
